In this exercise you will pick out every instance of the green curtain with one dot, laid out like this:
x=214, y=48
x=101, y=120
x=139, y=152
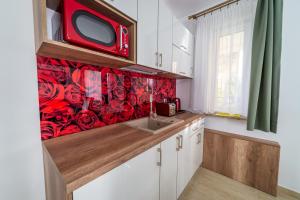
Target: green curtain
x=265, y=66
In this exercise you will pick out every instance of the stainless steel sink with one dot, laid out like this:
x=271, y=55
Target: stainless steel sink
x=154, y=125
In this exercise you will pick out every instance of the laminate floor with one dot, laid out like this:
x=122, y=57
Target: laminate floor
x=207, y=185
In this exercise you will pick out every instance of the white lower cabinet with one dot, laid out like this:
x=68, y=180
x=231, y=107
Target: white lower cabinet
x=196, y=148
x=168, y=170
x=134, y=180
x=160, y=173
x=184, y=161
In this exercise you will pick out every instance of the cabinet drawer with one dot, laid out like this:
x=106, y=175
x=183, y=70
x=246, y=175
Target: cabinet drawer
x=197, y=125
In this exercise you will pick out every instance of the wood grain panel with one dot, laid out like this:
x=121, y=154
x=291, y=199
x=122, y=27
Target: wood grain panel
x=248, y=160
x=55, y=186
x=40, y=22
x=60, y=50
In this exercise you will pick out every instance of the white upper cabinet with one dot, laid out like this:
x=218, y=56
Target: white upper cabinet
x=182, y=62
x=128, y=7
x=168, y=170
x=155, y=34
x=165, y=36
x=147, y=30
x=136, y=179
x=183, y=50
x=182, y=37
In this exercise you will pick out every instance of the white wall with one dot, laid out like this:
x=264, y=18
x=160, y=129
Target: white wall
x=183, y=91
x=289, y=108
x=21, y=167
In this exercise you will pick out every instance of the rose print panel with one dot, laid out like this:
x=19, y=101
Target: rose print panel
x=75, y=97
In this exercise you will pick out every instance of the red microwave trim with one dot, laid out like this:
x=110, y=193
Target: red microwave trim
x=72, y=35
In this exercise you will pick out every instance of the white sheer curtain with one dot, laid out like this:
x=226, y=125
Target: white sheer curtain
x=223, y=59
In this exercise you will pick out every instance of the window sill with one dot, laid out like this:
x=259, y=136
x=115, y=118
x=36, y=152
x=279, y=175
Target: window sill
x=228, y=116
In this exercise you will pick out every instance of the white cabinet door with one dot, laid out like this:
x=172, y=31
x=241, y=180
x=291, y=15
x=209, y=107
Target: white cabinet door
x=194, y=153
x=182, y=62
x=177, y=61
x=168, y=170
x=190, y=44
x=188, y=64
x=165, y=37
x=196, y=150
x=184, y=161
x=182, y=37
x=134, y=180
x=128, y=7
x=177, y=32
x=147, y=33
x=201, y=143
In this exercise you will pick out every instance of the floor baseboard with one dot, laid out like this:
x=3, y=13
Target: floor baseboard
x=289, y=192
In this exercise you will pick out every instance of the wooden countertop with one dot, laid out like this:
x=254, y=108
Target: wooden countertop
x=81, y=158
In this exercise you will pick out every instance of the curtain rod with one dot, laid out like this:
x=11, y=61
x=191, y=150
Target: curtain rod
x=212, y=9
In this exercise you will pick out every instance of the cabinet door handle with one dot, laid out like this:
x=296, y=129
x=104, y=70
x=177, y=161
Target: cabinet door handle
x=177, y=143
x=195, y=129
x=160, y=156
x=161, y=59
x=182, y=72
x=182, y=46
x=181, y=141
x=199, y=138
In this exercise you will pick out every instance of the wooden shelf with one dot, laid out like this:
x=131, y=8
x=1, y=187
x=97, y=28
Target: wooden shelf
x=70, y=52
x=61, y=50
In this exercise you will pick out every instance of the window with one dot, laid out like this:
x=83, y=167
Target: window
x=229, y=73
x=223, y=60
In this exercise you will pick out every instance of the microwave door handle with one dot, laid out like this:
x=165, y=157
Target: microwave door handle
x=121, y=38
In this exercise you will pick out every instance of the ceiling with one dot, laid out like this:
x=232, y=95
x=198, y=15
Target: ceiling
x=183, y=8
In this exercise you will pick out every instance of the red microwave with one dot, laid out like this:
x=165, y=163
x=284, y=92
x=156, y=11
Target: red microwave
x=84, y=26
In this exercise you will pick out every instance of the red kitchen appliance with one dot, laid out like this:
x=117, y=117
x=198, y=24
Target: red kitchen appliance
x=166, y=109
x=178, y=104
x=86, y=27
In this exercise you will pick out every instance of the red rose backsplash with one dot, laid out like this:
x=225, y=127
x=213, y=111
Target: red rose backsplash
x=75, y=97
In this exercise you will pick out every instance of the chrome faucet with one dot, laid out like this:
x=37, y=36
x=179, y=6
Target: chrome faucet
x=152, y=114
